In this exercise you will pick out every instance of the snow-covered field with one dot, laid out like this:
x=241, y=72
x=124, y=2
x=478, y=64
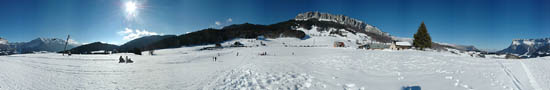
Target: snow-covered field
x=310, y=68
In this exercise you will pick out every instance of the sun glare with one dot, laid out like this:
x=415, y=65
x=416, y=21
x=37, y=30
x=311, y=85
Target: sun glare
x=131, y=8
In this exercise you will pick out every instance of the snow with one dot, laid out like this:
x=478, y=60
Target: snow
x=515, y=42
x=309, y=68
x=403, y=43
x=324, y=38
x=2, y=41
x=529, y=42
x=330, y=20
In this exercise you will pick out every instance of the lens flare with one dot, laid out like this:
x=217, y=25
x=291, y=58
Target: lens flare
x=131, y=8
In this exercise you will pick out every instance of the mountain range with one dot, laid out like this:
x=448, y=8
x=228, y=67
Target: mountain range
x=35, y=45
x=528, y=48
x=303, y=26
x=139, y=43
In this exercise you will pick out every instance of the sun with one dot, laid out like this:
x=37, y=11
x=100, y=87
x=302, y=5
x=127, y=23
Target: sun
x=131, y=8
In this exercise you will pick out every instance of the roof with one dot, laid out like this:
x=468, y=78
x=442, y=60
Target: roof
x=403, y=43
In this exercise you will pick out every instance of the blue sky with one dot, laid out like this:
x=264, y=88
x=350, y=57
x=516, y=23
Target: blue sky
x=487, y=24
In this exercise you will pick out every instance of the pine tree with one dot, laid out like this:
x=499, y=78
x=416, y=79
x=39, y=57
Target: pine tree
x=421, y=38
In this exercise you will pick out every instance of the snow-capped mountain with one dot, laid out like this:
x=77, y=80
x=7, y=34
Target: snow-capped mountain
x=45, y=44
x=3, y=41
x=4, y=47
x=461, y=47
x=527, y=48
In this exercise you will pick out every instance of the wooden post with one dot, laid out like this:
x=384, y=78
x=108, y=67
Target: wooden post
x=66, y=42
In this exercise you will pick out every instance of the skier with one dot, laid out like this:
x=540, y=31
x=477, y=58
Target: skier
x=121, y=60
x=237, y=53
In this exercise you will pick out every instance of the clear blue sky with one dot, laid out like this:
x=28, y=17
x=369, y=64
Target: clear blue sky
x=487, y=24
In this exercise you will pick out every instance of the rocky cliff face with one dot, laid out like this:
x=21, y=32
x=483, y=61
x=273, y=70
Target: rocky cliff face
x=341, y=19
x=527, y=48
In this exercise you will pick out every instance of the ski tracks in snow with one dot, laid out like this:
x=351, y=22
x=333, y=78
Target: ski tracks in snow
x=532, y=79
x=511, y=76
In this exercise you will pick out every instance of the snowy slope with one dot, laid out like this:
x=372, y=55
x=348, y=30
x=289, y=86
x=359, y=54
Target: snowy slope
x=319, y=37
x=3, y=41
x=309, y=68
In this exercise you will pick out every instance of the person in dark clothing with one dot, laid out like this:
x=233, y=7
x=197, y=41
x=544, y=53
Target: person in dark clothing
x=121, y=60
x=128, y=60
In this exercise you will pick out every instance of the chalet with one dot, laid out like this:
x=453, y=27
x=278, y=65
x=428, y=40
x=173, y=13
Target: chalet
x=400, y=45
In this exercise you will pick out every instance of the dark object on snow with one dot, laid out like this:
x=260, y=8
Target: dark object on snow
x=121, y=60
x=263, y=54
x=152, y=52
x=218, y=45
x=411, y=88
x=339, y=44
x=511, y=56
x=129, y=60
x=237, y=44
x=215, y=59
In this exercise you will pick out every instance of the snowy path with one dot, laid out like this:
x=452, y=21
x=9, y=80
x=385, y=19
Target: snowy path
x=322, y=68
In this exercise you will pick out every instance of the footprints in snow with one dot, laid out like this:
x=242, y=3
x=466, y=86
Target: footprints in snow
x=457, y=82
x=496, y=82
x=248, y=79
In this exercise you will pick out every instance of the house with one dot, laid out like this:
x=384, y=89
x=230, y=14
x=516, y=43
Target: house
x=400, y=45
x=339, y=44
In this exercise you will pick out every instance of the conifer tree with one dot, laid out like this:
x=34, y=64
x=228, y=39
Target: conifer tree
x=421, y=38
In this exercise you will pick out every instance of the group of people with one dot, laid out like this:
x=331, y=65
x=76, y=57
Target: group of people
x=123, y=60
x=263, y=53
